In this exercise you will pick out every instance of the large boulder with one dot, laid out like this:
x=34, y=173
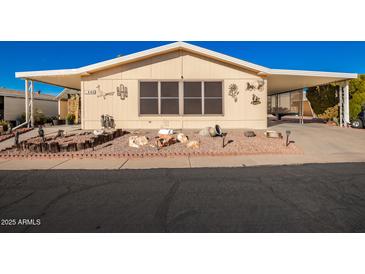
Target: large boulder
x=137, y=141
x=182, y=138
x=193, y=144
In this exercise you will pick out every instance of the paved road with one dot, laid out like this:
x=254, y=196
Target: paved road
x=305, y=198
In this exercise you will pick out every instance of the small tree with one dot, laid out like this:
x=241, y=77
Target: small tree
x=357, y=95
x=322, y=97
x=356, y=104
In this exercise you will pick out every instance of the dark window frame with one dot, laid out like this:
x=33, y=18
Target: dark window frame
x=167, y=98
x=181, y=97
x=140, y=98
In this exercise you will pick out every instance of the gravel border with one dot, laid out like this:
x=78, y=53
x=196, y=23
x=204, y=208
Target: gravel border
x=241, y=145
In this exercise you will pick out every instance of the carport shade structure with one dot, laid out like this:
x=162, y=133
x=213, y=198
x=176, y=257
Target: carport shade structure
x=278, y=80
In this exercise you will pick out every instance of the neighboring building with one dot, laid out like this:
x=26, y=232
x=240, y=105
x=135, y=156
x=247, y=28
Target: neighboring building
x=12, y=104
x=180, y=85
x=69, y=102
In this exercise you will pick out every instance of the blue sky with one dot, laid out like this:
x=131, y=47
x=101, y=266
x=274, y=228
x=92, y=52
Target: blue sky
x=27, y=56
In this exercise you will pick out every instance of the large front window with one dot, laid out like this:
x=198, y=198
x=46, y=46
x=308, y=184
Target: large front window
x=181, y=98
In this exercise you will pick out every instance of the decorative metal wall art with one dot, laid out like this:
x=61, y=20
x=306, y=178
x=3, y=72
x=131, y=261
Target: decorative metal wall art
x=258, y=85
x=250, y=86
x=100, y=93
x=107, y=121
x=122, y=92
x=233, y=91
x=255, y=100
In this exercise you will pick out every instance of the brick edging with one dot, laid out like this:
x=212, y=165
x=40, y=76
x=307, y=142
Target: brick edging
x=13, y=135
x=140, y=155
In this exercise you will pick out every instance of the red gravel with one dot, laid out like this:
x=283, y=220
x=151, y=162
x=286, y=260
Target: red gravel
x=4, y=137
x=236, y=144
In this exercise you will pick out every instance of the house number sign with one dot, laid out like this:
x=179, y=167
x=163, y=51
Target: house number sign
x=122, y=92
x=90, y=92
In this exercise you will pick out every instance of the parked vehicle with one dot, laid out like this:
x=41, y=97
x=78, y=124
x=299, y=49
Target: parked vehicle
x=360, y=121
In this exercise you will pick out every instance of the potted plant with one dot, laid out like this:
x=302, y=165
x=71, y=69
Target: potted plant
x=3, y=126
x=70, y=118
x=55, y=120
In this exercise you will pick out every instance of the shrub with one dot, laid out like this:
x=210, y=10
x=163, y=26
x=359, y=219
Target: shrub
x=4, y=124
x=357, y=96
x=39, y=117
x=70, y=118
x=356, y=104
x=330, y=114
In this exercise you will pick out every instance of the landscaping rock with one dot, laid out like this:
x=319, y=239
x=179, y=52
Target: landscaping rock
x=182, y=138
x=211, y=131
x=249, y=133
x=137, y=141
x=273, y=134
x=193, y=144
x=165, y=131
x=98, y=132
x=54, y=147
x=205, y=131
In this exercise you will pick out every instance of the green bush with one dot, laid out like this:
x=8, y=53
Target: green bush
x=357, y=96
x=356, y=104
x=4, y=124
x=70, y=118
x=39, y=117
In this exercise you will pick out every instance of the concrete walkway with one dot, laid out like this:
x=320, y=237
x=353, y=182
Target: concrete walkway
x=320, y=143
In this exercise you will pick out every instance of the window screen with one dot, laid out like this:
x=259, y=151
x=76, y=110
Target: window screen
x=169, y=97
x=213, y=98
x=148, y=98
x=192, y=97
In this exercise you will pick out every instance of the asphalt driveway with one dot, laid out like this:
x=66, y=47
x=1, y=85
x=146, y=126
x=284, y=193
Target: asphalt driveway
x=303, y=198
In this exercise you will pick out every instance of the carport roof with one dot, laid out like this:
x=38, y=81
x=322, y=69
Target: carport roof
x=278, y=80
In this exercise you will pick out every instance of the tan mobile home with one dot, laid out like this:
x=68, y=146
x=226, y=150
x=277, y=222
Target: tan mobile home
x=12, y=104
x=180, y=86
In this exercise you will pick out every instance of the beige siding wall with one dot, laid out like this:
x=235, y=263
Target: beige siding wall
x=49, y=108
x=14, y=107
x=62, y=111
x=176, y=65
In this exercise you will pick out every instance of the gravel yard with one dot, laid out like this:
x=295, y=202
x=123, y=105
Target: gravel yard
x=235, y=144
x=6, y=136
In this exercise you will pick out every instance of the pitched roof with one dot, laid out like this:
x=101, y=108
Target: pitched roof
x=70, y=78
x=18, y=93
x=146, y=54
x=63, y=94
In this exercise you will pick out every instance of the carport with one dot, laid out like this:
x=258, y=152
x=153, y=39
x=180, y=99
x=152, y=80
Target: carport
x=280, y=85
x=287, y=90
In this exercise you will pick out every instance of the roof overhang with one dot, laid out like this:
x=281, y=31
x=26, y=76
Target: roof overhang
x=288, y=80
x=65, y=92
x=278, y=80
